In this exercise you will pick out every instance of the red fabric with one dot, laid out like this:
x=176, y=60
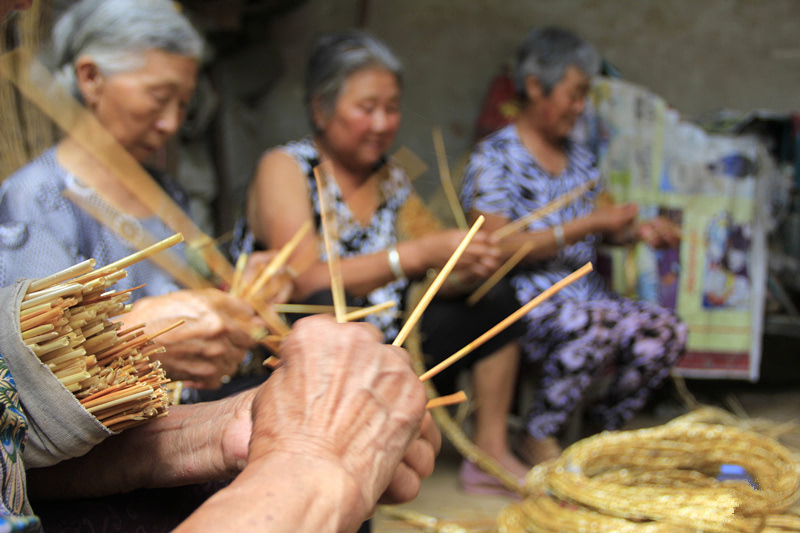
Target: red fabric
x=500, y=106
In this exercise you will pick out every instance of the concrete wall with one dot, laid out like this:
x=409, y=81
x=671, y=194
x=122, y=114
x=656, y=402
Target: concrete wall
x=700, y=55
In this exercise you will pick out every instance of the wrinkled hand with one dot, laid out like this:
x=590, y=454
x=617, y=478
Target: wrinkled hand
x=343, y=398
x=417, y=464
x=659, y=232
x=210, y=344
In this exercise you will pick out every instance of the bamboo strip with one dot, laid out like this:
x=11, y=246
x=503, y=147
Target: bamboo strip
x=279, y=260
x=495, y=278
x=545, y=210
x=513, y=317
x=361, y=313
x=330, y=237
x=67, y=290
x=447, y=180
x=58, y=277
x=238, y=272
x=450, y=399
x=131, y=259
x=437, y=283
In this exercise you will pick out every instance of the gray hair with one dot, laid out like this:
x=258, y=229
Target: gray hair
x=334, y=57
x=546, y=54
x=116, y=34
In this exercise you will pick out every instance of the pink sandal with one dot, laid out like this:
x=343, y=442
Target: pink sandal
x=475, y=481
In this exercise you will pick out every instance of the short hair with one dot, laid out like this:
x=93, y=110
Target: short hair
x=546, y=54
x=334, y=57
x=116, y=34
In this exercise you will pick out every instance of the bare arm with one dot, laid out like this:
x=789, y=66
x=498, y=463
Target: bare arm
x=279, y=205
x=194, y=444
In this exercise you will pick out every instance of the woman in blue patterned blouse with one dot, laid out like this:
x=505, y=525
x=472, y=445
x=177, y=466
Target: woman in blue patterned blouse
x=585, y=328
x=133, y=64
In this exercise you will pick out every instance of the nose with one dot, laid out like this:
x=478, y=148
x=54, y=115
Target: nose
x=170, y=119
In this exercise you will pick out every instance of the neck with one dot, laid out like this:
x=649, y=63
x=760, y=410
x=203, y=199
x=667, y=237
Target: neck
x=550, y=152
x=75, y=159
x=342, y=169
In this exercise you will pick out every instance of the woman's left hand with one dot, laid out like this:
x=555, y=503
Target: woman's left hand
x=659, y=232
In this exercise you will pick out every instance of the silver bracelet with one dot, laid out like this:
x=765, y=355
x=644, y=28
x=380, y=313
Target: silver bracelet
x=558, y=235
x=394, y=263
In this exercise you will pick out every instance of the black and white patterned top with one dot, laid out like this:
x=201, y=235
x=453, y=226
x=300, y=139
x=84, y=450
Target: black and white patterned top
x=355, y=239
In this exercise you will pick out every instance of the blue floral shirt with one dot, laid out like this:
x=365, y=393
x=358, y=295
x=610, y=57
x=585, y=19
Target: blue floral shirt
x=503, y=178
x=42, y=231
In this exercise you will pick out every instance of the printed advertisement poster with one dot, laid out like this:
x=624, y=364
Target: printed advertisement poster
x=712, y=186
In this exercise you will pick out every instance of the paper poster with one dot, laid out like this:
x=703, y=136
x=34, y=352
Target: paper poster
x=712, y=186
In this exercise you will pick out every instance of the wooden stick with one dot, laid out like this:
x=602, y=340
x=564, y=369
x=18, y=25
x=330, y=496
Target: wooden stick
x=546, y=209
x=38, y=330
x=447, y=180
x=38, y=299
x=450, y=399
x=513, y=317
x=361, y=313
x=238, y=271
x=330, y=236
x=309, y=309
x=131, y=259
x=487, y=285
x=279, y=260
x=272, y=362
x=405, y=331
x=58, y=277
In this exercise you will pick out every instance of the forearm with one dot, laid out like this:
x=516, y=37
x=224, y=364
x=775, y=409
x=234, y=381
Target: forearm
x=288, y=493
x=544, y=243
x=185, y=447
x=360, y=275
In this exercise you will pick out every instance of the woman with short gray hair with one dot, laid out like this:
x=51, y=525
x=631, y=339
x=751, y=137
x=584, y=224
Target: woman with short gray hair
x=133, y=64
x=585, y=329
x=116, y=34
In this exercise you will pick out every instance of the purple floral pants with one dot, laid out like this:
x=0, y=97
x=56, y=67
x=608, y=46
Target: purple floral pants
x=577, y=341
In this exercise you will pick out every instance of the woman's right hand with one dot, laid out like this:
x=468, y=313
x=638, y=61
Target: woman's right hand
x=217, y=332
x=480, y=259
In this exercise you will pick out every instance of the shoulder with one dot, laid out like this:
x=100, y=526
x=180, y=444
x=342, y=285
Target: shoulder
x=36, y=185
x=581, y=156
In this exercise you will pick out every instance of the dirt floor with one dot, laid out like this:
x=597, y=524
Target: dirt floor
x=441, y=497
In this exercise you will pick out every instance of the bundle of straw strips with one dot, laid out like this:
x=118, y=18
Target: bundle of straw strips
x=66, y=321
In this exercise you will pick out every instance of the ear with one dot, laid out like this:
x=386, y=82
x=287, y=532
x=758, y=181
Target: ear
x=318, y=114
x=533, y=89
x=90, y=80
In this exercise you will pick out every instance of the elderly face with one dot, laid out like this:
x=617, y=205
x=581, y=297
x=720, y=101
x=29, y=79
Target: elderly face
x=558, y=111
x=364, y=122
x=6, y=6
x=142, y=108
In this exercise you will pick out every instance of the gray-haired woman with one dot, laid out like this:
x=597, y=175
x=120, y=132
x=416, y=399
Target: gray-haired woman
x=133, y=64
x=585, y=328
x=386, y=237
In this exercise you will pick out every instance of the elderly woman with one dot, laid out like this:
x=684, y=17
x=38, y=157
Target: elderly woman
x=133, y=64
x=386, y=238
x=585, y=328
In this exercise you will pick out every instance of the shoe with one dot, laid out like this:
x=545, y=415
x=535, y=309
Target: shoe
x=534, y=451
x=475, y=481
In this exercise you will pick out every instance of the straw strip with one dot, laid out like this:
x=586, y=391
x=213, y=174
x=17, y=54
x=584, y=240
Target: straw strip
x=513, y=317
x=437, y=283
x=495, y=278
